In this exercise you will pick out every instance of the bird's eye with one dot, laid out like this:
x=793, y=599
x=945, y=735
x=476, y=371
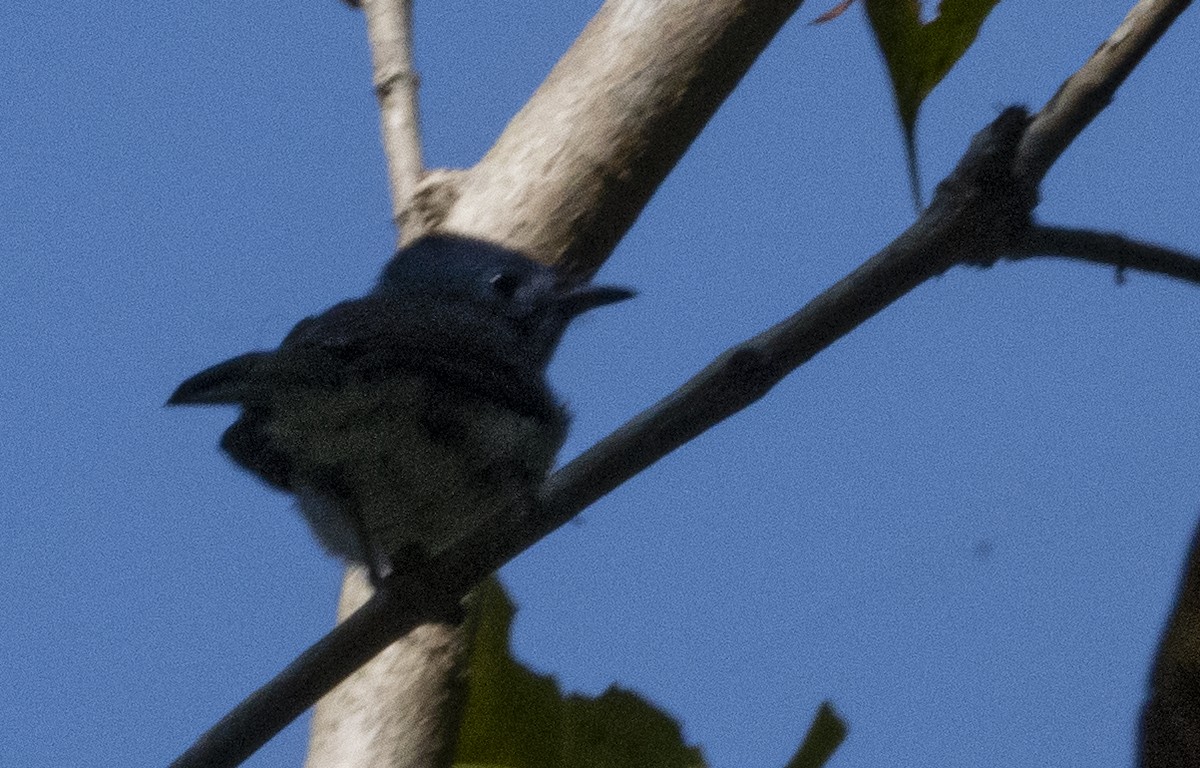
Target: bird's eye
x=505, y=284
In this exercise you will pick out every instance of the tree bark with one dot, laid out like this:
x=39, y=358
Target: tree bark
x=402, y=709
x=563, y=183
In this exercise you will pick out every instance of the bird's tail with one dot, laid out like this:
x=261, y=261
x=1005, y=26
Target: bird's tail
x=223, y=383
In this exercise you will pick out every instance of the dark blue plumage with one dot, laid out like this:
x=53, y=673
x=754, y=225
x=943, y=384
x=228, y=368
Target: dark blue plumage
x=416, y=414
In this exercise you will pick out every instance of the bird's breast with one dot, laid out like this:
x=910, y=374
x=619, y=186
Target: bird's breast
x=408, y=461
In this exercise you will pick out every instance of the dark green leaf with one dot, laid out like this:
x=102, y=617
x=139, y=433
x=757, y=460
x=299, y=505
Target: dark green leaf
x=824, y=735
x=516, y=718
x=919, y=55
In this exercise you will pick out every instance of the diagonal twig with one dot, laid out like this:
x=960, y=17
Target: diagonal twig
x=978, y=215
x=1109, y=249
x=969, y=214
x=1084, y=94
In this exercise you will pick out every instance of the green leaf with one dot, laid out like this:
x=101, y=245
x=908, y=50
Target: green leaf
x=919, y=55
x=825, y=734
x=516, y=718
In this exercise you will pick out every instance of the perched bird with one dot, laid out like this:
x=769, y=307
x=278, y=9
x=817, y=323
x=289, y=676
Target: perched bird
x=413, y=416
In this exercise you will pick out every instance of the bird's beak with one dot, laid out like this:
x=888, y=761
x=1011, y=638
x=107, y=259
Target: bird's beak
x=584, y=297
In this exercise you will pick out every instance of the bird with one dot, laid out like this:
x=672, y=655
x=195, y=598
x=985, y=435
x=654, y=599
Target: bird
x=416, y=415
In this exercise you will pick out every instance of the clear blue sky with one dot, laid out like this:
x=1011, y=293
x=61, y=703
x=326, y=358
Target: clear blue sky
x=962, y=524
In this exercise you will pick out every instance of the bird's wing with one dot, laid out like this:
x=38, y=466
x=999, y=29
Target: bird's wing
x=343, y=331
x=375, y=337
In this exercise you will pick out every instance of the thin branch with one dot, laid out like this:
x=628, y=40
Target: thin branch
x=1109, y=249
x=389, y=30
x=705, y=400
x=562, y=184
x=978, y=215
x=972, y=213
x=400, y=710
x=407, y=694
x=354, y=642
x=969, y=214
x=1091, y=88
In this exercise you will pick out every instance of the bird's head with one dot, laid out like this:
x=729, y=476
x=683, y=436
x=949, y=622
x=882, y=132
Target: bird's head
x=525, y=303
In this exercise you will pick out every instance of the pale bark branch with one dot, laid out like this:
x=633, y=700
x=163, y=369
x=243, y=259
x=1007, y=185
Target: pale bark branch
x=398, y=710
x=562, y=184
x=571, y=194
x=971, y=213
x=1084, y=94
x=354, y=642
x=402, y=705
x=389, y=31
x=573, y=169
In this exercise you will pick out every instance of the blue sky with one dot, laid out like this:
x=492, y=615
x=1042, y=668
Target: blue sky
x=962, y=524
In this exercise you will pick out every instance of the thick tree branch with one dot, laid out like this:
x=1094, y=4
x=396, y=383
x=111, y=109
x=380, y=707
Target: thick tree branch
x=574, y=168
x=562, y=184
x=978, y=210
x=411, y=692
x=353, y=643
x=577, y=188
x=402, y=705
